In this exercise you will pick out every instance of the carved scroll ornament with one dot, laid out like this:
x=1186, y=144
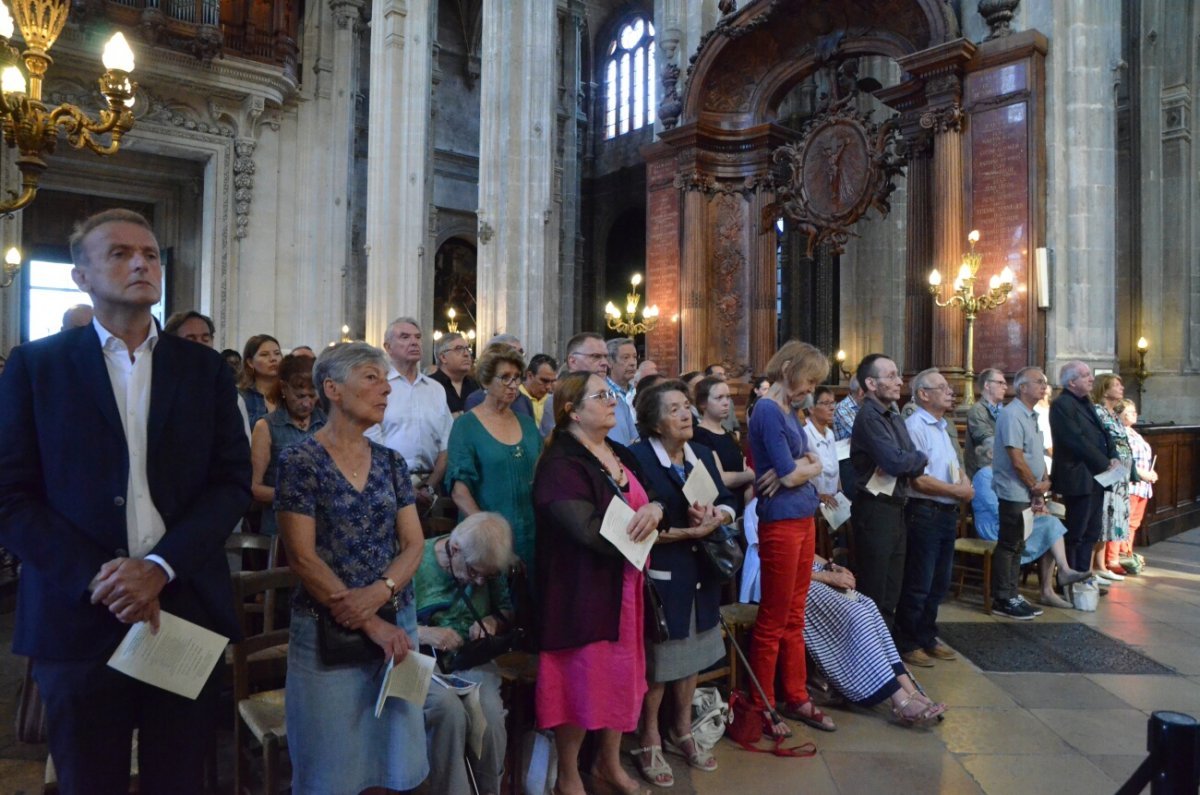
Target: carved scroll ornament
x=843, y=165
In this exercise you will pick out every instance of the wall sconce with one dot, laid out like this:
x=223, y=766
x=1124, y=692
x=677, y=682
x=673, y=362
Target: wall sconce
x=12, y=264
x=1141, y=373
x=840, y=370
x=28, y=124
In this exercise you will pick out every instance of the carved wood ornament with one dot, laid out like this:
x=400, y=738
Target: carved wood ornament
x=843, y=165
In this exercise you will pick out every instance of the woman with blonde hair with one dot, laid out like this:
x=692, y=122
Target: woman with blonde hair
x=786, y=534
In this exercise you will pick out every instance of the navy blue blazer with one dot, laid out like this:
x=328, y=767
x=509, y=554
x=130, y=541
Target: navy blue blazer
x=64, y=469
x=689, y=581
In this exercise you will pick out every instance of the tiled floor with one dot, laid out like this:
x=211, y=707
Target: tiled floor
x=1004, y=733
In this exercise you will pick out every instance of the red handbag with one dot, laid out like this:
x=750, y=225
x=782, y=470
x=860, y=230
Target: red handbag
x=747, y=729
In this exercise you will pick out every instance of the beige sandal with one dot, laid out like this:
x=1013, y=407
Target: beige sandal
x=698, y=758
x=656, y=771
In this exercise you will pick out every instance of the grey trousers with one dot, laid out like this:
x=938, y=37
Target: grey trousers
x=446, y=731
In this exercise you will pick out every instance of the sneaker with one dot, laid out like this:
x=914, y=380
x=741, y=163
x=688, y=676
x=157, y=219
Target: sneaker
x=1013, y=608
x=1111, y=576
x=918, y=658
x=1037, y=611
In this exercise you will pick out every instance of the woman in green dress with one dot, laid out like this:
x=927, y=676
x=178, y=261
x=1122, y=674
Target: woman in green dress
x=493, y=451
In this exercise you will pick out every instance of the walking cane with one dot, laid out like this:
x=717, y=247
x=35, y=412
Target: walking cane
x=775, y=716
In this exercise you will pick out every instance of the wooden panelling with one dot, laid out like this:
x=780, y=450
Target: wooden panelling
x=1175, y=506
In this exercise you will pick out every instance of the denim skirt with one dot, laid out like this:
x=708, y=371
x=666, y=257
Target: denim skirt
x=337, y=745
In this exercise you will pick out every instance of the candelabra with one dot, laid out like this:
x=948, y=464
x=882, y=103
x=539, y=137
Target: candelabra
x=628, y=324
x=1141, y=373
x=451, y=323
x=32, y=128
x=965, y=299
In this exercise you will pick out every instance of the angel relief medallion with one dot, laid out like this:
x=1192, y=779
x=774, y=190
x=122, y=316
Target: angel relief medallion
x=842, y=166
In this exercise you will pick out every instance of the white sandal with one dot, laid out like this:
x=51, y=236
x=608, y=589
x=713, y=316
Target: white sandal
x=698, y=758
x=657, y=771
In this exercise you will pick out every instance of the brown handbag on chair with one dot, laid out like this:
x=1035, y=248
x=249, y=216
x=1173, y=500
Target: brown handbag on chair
x=31, y=712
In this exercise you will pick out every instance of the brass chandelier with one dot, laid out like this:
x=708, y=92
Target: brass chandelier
x=32, y=128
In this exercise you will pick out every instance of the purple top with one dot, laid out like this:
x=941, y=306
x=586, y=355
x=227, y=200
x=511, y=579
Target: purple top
x=776, y=441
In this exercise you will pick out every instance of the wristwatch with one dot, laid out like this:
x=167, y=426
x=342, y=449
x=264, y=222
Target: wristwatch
x=390, y=583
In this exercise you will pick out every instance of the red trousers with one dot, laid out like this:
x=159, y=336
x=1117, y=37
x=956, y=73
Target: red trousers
x=785, y=549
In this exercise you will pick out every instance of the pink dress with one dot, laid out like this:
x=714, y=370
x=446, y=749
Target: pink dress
x=600, y=685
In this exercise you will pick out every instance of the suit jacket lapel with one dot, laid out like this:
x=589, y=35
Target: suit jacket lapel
x=89, y=361
x=163, y=382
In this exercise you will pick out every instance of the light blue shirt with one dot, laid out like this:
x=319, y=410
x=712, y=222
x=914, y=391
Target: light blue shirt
x=1017, y=428
x=625, y=431
x=929, y=436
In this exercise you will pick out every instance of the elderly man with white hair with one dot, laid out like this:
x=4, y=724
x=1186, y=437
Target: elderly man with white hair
x=931, y=516
x=1082, y=450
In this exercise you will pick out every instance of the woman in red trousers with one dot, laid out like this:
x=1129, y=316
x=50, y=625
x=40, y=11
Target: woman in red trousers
x=784, y=468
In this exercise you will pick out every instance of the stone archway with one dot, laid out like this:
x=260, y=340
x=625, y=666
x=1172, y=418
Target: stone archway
x=710, y=258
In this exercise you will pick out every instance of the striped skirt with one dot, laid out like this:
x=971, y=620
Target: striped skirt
x=850, y=643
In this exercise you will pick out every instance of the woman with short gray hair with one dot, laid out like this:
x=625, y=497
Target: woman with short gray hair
x=346, y=513
x=461, y=597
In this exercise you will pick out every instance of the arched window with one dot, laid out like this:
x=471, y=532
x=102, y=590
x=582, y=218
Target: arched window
x=630, y=78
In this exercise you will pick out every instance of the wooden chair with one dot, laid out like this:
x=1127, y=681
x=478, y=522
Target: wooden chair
x=969, y=547
x=264, y=548
x=518, y=675
x=259, y=662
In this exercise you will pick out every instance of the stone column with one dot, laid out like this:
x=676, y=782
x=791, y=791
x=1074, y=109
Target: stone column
x=517, y=272
x=399, y=269
x=948, y=235
x=320, y=244
x=572, y=135
x=1081, y=179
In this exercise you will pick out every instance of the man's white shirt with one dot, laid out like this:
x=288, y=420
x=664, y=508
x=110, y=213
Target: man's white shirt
x=130, y=381
x=417, y=421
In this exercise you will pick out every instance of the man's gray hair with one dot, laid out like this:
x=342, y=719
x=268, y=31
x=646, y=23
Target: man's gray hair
x=511, y=340
x=337, y=362
x=983, y=377
x=485, y=541
x=614, y=346
x=446, y=343
x=1070, y=371
x=389, y=335
x=87, y=225
x=922, y=380
x=1025, y=376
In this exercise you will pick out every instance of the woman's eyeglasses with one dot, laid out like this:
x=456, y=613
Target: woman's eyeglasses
x=509, y=380
x=606, y=395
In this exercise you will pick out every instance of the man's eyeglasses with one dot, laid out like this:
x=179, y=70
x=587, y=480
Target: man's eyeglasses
x=606, y=395
x=826, y=403
x=460, y=349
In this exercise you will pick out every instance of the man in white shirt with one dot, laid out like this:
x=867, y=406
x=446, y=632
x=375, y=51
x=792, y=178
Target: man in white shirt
x=931, y=516
x=417, y=421
x=123, y=464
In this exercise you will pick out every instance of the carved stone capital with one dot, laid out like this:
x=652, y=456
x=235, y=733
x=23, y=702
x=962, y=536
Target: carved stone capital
x=346, y=13
x=999, y=15
x=948, y=118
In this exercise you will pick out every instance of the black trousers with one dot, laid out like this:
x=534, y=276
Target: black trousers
x=880, y=539
x=91, y=712
x=1010, y=545
x=1084, y=524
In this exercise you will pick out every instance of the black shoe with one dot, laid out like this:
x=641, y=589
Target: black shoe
x=1037, y=611
x=1014, y=608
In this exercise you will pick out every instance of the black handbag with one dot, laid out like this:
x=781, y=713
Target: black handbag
x=340, y=646
x=655, y=614
x=722, y=554
x=476, y=652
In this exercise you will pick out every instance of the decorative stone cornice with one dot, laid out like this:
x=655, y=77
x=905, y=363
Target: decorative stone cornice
x=948, y=118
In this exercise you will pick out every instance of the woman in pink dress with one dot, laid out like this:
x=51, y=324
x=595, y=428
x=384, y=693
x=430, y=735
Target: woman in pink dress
x=592, y=666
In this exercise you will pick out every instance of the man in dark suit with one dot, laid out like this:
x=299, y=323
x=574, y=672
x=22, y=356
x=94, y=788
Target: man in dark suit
x=123, y=464
x=1082, y=450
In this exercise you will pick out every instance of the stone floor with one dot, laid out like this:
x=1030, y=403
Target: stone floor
x=1004, y=733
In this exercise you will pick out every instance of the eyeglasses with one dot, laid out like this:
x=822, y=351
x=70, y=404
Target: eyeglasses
x=606, y=395
x=509, y=380
x=460, y=349
x=826, y=403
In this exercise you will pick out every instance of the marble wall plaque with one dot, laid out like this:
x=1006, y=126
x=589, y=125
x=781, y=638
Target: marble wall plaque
x=1000, y=210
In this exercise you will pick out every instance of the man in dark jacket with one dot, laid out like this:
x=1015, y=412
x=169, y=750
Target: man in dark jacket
x=1082, y=450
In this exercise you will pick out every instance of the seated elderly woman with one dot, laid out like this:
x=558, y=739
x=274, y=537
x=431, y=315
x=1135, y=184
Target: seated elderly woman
x=1044, y=544
x=691, y=594
x=347, y=516
x=460, y=598
x=850, y=643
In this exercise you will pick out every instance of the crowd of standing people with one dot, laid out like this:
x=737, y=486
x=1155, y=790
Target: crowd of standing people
x=345, y=453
